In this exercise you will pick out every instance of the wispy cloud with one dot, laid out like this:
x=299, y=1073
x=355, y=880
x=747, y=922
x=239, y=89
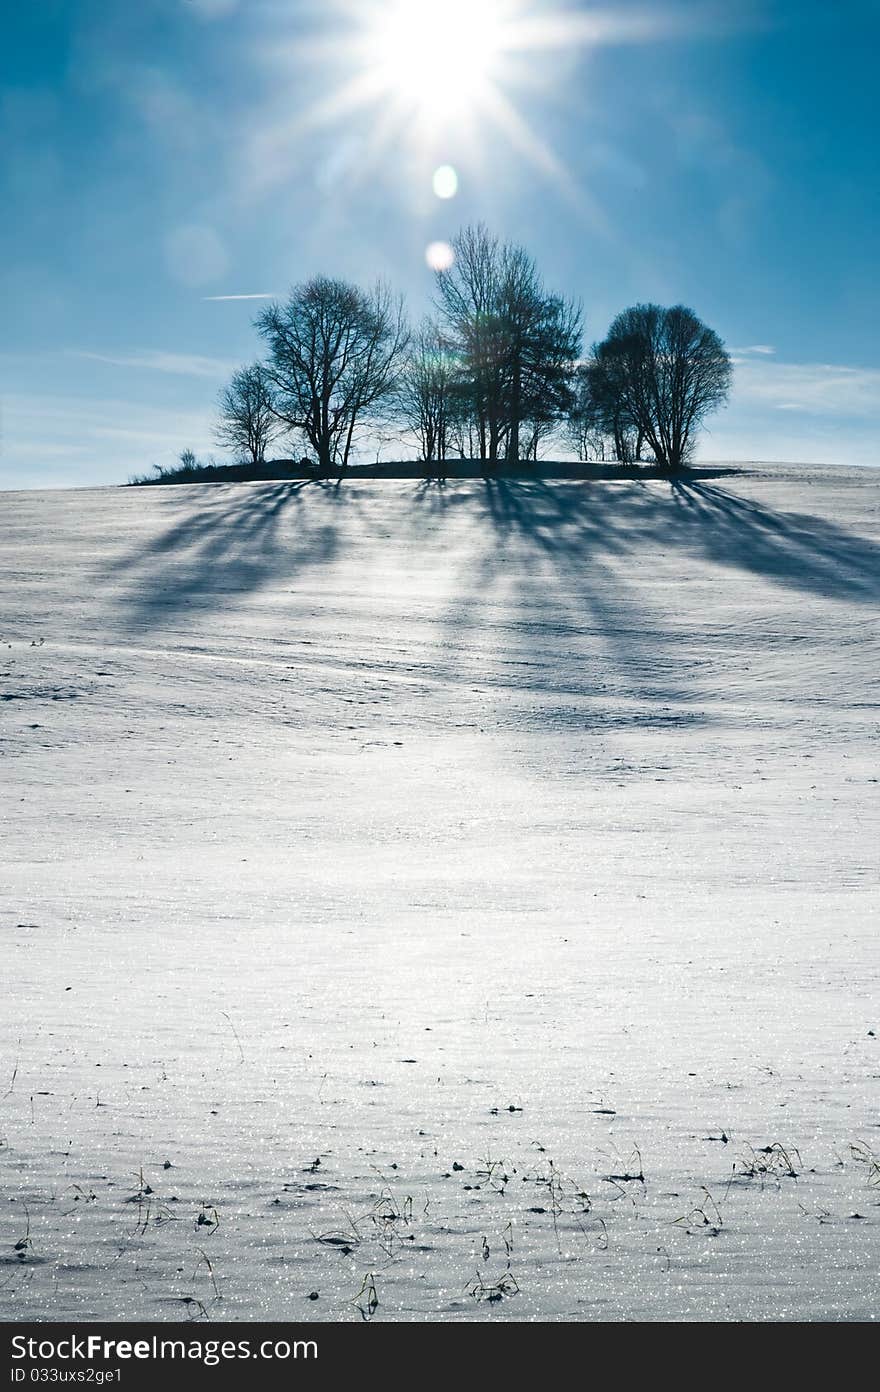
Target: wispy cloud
x=635, y=24
x=267, y=296
x=824, y=389
x=178, y=364
x=753, y=349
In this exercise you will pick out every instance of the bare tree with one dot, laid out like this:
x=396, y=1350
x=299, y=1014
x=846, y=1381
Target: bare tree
x=533, y=435
x=539, y=335
x=335, y=356
x=600, y=426
x=660, y=372
x=427, y=394
x=516, y=343
x=248, y=423
x=467, y=295
x=585, y=425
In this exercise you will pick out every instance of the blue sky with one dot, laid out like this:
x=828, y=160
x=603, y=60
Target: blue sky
x=158, y=155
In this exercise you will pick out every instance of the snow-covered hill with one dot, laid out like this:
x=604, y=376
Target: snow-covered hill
x=471, y=889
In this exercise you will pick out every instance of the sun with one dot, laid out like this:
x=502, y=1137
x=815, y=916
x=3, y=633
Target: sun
x=436, y=57
x=409, y=81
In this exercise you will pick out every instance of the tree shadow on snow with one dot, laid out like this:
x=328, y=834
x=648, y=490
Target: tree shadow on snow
x=798, y=551
x=229, y=544
x=581, y=523
x=550, y=595
x=559, y=584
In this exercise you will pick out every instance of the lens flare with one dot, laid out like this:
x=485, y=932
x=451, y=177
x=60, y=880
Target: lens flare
x=439, y=256
x=445, y=181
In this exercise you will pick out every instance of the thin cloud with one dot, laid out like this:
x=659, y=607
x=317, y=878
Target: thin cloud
x=177, y=364
x=822, y=389
x=267, y=296
x=635, y=24
x=763, y=349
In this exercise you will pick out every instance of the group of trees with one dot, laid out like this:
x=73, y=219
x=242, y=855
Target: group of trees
x=496, y=371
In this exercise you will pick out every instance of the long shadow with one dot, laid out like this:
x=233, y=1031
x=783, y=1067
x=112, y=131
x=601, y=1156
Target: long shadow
x=230, y=546
x=554, y=571
x=581, y=522
x=550, y=594
x=544, y=595
x=799, y=551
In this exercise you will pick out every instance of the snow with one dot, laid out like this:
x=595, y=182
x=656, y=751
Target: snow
x=340, y=821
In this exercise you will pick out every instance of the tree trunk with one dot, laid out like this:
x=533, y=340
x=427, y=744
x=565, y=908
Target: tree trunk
x=513, y=438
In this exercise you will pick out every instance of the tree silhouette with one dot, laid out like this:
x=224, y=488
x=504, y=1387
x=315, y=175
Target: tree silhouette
x=599, y=424
x=539, y=337
x=248, y=422
x=516, y=344
x=335, y=356
x=659, y=373
x=428, y=397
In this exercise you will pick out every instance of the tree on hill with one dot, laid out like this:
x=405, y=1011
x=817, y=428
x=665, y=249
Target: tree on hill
x=428, y=396
x=335, y=356
x=539, y=338
x=660, y=373
x=248, y=422
x=516, y=343
x=599, y=425
x=466, y=300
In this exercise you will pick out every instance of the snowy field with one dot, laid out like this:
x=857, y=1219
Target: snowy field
x=441, y=903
